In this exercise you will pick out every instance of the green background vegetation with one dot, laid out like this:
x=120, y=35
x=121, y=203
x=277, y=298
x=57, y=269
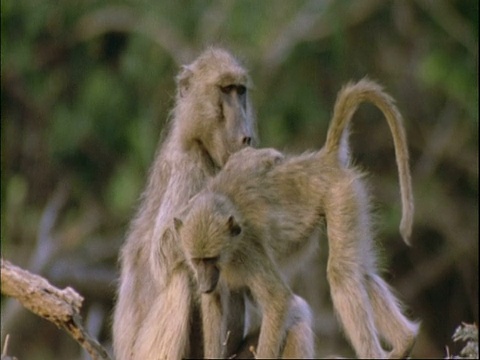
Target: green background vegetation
x=86, y=88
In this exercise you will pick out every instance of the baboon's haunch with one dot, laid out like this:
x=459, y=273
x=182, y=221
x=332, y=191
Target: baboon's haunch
x=250, y=227
x=211, y=120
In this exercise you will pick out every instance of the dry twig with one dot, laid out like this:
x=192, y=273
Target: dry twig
x=61, y=307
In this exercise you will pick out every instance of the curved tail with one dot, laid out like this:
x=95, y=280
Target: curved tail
x=348, y=100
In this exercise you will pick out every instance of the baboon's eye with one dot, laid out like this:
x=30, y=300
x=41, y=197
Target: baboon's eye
x=233, y=227
x=227, y=89
x=211, y=260
x=205, y=261
x=235, y=230
x=241, y=89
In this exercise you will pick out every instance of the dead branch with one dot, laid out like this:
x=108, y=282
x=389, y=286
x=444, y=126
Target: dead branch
x=47, y=246
x=61, y=307
x=311, y=24
x=127, y=19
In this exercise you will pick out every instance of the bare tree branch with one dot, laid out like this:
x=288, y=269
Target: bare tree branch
x=61, y=307
x=127, y=19
x=46, y=247
x=310, y=24
x=449, y=18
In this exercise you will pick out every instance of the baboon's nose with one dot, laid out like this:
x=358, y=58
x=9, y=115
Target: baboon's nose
x=247, y=140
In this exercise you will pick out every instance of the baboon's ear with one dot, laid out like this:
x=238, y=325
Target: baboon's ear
x=177, y=223
x=233, y=226
x=183, y=80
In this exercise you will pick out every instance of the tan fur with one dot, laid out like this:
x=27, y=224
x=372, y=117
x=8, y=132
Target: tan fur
x=212, y=119
x=252, y=226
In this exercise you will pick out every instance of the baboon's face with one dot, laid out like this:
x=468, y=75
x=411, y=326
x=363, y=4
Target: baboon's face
x=208, y=241
x=207, y=273
x=213, y=95
x=231, y=129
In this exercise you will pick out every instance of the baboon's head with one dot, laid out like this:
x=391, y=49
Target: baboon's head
x=214, y=106
x=209, y=235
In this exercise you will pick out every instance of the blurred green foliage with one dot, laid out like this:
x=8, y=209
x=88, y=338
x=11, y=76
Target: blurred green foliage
x=87, y=88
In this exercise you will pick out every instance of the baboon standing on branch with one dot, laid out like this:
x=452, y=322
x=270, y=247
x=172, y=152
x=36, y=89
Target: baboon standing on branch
x=212, y=119
x=248, y=227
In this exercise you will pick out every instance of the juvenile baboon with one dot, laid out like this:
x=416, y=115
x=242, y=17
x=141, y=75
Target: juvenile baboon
x=295, y=337
x=246, y=228
x=155, y=312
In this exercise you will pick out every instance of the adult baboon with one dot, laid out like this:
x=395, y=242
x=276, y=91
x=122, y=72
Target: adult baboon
x=212, y=119
x=246, y=228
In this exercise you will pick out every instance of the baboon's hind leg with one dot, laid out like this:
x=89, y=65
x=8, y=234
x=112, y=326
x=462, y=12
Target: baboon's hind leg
x=350, y=261
x=392, y=325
